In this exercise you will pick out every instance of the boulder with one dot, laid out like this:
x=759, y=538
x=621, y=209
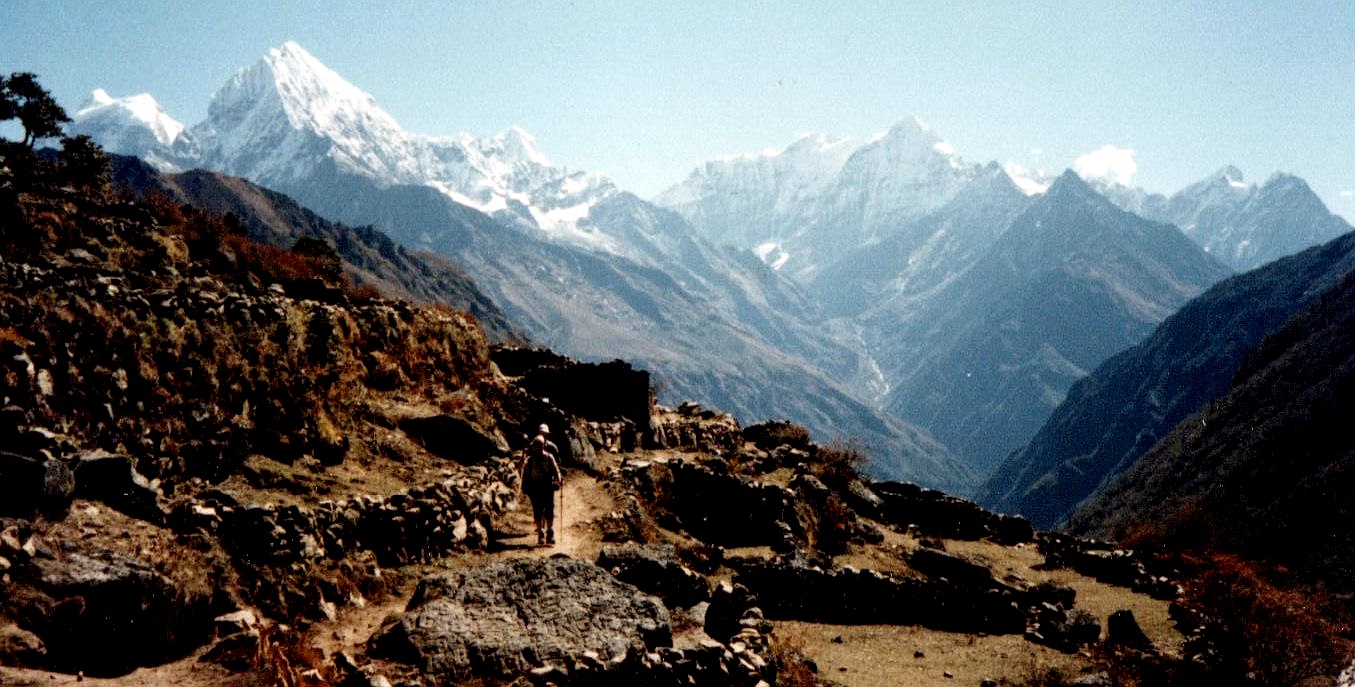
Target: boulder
x=453, y=438
x=19, y=647
x=958, y=570
x=505, y=618
x=729, y=603
x=32, y=486
x=112, y=480
x=106, y=614
x=1123, y=629
x=654, y=569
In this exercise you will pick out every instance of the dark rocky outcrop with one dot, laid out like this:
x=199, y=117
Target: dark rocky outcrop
x=578, y=387
x=796, y=591
x=31, y=486
x=454, y=438
x=106, y=614
x=655, y=569
x=716, y=506
x=113, y=480
x=958, y=570
x=938, y=514
x=1123, y=629
x=729, y=605
x=506, y=618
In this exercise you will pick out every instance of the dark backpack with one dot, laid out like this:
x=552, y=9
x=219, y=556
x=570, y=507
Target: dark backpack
x=541, y=468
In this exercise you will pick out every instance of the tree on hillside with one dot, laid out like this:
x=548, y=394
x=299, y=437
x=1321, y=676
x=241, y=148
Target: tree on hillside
x=23, y=98
x=83, y=163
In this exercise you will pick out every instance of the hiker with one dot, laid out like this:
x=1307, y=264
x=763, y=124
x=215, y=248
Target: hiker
x=540, y=478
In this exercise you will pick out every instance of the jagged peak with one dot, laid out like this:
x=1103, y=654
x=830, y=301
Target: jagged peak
x=910, y=131
x=308, y=91
x=908, y=126
x=518, y=145
x=1070, y=183
x=817, y=143
x=1285, y=184
x=1230, y=174
x=1285, y=180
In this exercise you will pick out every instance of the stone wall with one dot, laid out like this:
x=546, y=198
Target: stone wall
x=935, y=513
x=413, y=525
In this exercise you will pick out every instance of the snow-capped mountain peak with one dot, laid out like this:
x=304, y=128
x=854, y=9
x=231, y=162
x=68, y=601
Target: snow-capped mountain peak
x=801, y=206
x=1031, y=182
x=141, y=109
x=288, y=120
x=134, y=125
x=264, y=120
x=309, y=88
x=515, y=145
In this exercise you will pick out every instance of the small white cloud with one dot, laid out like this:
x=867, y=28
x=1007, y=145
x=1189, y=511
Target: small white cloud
x=943, y=147
x=1109, y=163
x=1348, y=194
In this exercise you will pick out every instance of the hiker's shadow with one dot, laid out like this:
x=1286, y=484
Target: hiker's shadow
x=501, y=541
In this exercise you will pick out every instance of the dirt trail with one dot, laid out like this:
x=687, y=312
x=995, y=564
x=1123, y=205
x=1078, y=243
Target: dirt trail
x=577, y=506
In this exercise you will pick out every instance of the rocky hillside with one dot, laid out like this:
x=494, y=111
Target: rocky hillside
x=371, y=258
x=1134, y=399
x=223, y=465
x=1265, y=470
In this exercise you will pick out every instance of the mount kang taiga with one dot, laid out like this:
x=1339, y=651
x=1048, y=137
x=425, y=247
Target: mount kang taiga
x=884, y=267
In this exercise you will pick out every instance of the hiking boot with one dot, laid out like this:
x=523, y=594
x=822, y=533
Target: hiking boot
x=550, y=536
x=540, y=539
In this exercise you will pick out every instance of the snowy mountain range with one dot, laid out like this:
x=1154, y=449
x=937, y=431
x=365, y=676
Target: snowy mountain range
x=908, y=248
x=804, y=206
x=288, y=117
x=1243, y=224
x=574, y=262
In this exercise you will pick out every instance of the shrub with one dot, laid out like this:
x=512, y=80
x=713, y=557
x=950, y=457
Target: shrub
x=793, y=668
x=769, y=435
x=838, y=463
x=1287, y=637
x=833, y=528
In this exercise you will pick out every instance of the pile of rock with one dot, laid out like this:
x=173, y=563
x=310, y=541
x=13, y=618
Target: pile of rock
x=43, y=472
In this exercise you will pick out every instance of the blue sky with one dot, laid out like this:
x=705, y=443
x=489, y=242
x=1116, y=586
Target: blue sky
x=646, y=91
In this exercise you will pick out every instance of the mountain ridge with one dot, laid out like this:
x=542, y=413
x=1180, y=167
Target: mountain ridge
x=1136, y=397
x=983, y=361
